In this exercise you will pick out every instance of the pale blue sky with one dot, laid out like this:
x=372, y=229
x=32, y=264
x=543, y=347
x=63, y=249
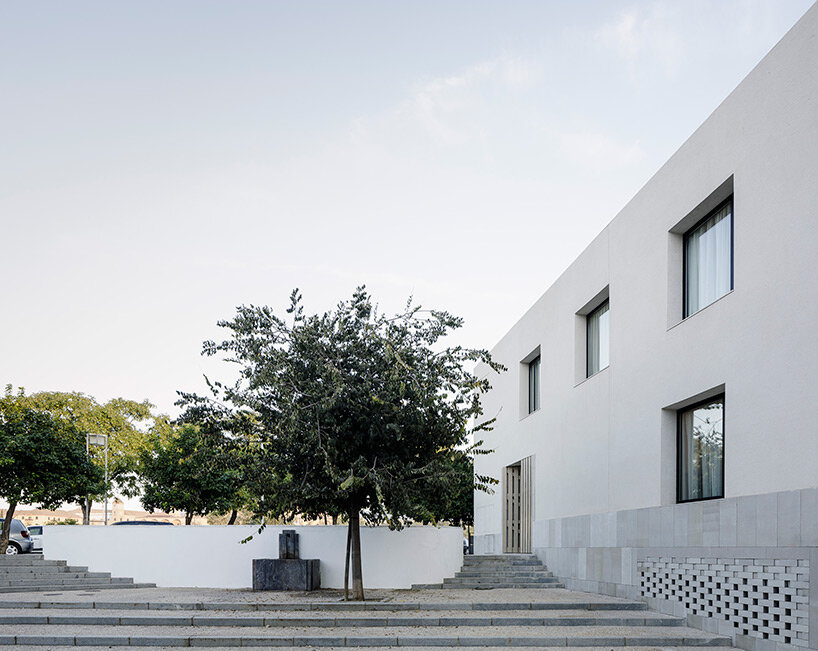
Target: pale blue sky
x=163, y=162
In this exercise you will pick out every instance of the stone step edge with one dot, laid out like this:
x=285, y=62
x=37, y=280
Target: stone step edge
x=657, y=621
x=328, y=605
x=486, y=586
x=73, y=587
x=321, y=641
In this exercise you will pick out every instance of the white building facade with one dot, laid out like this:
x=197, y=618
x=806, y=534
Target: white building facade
x=657, y=429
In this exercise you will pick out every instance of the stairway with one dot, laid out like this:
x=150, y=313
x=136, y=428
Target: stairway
x=572, y=620
x=499, y=571
x=32, y=573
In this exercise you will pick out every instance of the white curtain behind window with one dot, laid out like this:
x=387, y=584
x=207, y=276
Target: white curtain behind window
x=709, y=261
x=598, y=339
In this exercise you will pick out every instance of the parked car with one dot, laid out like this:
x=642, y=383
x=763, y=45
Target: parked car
x=19, y=538
x=35, y=531
x=142, y=522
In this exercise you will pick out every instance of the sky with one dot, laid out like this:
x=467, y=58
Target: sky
x=162, y=163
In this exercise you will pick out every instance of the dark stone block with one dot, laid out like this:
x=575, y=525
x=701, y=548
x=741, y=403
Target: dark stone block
x=288, y=544
x=286, y=574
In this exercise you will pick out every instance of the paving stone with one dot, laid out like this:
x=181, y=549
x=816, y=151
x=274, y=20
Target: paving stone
x=102, y=640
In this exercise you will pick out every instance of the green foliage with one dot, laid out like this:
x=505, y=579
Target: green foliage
x=70, y=521
x=448, y=495
x=123, y=421
x=360, y=413
x=191, y=468
x=42, y=459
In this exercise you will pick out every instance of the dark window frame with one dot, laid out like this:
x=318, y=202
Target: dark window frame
x=535, y=393
x=686, y=237
x=679, y=412
x=604, y=304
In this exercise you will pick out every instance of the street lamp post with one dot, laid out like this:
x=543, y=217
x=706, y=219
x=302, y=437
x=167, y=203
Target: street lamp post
x=99, y=440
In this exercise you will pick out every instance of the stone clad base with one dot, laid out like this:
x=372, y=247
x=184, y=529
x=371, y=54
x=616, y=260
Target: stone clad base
x=286, y=574
x=738, y=566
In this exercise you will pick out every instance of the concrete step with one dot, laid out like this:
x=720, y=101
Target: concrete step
x=504, y=575
x=12, y=577
x=19, y=560
x=67, y=580
x=42, y=569
x=525, y=569
x=502, y=579
x=499, y=586
x=37, y=647
x=493, y=564
x=424, y=619
x=330, y=606
x=562, y=636
x=61, y=571
x=74, y=586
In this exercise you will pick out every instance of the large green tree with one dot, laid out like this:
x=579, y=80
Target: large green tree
x=125, y=422
x=42, y=460
x=359, y=410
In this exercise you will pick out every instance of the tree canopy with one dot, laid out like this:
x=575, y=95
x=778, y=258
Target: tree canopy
x=358, y=411
x=42, y=459
x=195, y=466
x=125, y=422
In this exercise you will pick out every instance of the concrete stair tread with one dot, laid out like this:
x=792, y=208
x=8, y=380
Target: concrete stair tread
x=25, y=617
x=331, y=606
x=659, y=634
x=69, y=581
x=369, y=647
x=75, y=587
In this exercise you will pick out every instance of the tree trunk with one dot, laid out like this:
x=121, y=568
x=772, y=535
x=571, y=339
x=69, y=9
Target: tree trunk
x=357, y=574
x=188, y=518
x=233, y=515
x=85, y=505
x=4, y=533
x=346, y=563
x=334, y=519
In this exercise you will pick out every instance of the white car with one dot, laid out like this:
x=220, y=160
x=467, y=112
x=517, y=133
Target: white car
x=36, y=534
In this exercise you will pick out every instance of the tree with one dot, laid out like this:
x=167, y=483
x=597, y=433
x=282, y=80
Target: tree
x=449, y=495
x=42, y=460
x=189, y=468
x=123, y=421
x=359, y=411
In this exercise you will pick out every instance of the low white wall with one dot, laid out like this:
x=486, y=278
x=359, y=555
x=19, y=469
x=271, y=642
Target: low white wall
x=213, y=557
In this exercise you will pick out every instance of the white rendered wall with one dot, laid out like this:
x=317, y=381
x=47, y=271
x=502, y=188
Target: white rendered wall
x=212, y=556
x=607, y=443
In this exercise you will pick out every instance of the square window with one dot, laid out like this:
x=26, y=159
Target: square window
x=534, y=385
x=708, y=259
x=598, y=338
x=700, y=451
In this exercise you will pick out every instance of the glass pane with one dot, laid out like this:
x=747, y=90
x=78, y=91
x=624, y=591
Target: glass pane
x=534, y=385
x=701, y=452
x=709, y=260
x=598, y=339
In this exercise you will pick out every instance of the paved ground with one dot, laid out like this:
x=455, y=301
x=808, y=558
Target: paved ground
x=206, y=595
x=455, y=604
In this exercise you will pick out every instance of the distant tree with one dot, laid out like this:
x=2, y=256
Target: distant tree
x=42, y=460
x=185, y=467
x=235, y=434
x=125, y=422
x=449, y=495
x=359, y=411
